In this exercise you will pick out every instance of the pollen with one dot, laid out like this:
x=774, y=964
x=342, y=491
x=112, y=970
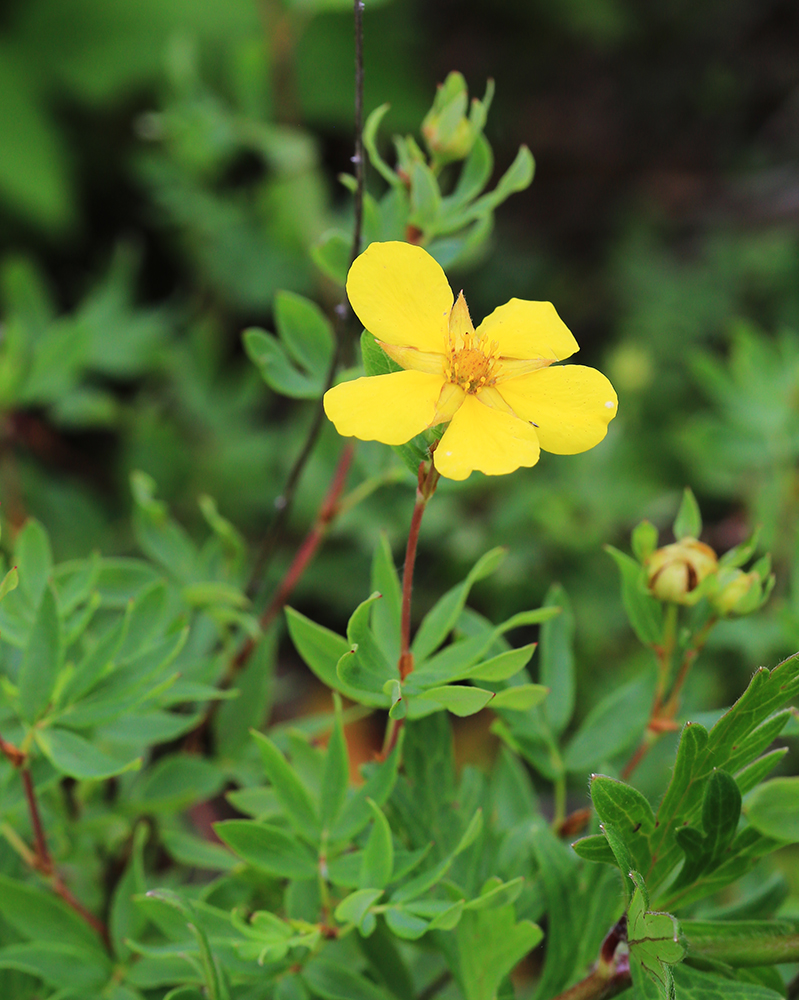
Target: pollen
x=469, y=363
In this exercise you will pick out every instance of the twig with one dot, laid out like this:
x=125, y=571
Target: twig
x=427, y=482
x=40, y=858
x=306, y=551
x=611, y=974
x=284, y=502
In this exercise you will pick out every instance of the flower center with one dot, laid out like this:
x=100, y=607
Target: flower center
x=470, y=363
x=470, y=368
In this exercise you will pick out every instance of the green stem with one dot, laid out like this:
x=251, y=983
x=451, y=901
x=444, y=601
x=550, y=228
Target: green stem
x=742, y=944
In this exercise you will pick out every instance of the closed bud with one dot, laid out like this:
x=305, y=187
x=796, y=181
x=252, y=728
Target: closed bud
x=675, y=572
x=738, y=593
x=448, y=132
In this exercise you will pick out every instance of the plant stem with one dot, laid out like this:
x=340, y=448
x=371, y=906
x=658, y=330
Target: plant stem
x=327, y=512
x=41, y=859
x=427, y=482
x=664, y=710
x=285, y=500
x=44, y=862
x=611, y=974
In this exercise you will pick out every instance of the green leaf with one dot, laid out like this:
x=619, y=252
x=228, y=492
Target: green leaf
x=688, y=523
x=176, y=782
x=197, y=852
x=370, y=131
x=557, y=660
x=497, y=893
x=364, y=666
x=332, y=255
x=773, y=809
x=644, y=612
x=268, y=848
x=58, y=964
x=95, y=665
x=644, y=540
x=157, y=534
x=336, y=776
x=521, y=698
x=475, y=174
x=386, y=612
x=41, y=661
x=490, y=943
x=353, y=908
x=612, y=725
x=594, y=848
x=458, y=699
x=44, y=918
x=443, y=616
x=75, y=756
x=10, y=582
x=693, y=984
x=405, y=925
x=272, y=361
x=503, y=666
x=721, y=810
x=565, y=903
x=378, y=786
x=630, y=814
x=236, y=717
x=425, y=198
x=295, y=798
x=378, y=856
x=34, y=560
x=322, y=649
x=331, y=981
x=732, y=743
x=306, y=333
x=654, y=939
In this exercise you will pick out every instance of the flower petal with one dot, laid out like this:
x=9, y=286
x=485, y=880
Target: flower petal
x=401, y=295
x=571, y=406
x=482, y=438
x=524, y=329
x=389, y=408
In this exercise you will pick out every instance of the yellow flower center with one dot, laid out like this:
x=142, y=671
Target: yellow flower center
x=470, y=368
x=468, y=363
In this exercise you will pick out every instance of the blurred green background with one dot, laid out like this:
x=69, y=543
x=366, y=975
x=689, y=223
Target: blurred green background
x=167, y=166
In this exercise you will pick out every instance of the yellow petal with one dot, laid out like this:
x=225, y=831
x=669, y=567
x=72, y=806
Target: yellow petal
x=401, y=295
x=485, y=439
x=389, y=408
x=411, y=357
x=524, y=329
x=571, y=406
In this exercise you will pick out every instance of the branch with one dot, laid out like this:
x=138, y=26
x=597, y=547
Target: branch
x=285, y=500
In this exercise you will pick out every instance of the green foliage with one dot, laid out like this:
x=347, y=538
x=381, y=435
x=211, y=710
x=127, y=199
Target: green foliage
x=181, y=816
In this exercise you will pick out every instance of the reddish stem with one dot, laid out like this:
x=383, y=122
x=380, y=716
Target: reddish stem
x=428, y=480
x=303, y=556
x=44, y=861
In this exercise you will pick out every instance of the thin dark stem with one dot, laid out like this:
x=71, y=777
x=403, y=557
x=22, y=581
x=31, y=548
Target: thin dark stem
x=305, y=553
x=43, y=859
x=284, y=502
x=435, y=986
x=358, y=158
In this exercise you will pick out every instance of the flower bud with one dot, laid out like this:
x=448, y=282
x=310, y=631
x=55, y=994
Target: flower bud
x=448, y=132
x=675, y=571
x=738, y=593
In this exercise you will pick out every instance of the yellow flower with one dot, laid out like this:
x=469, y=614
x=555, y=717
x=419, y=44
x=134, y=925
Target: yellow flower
x=493, y=386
